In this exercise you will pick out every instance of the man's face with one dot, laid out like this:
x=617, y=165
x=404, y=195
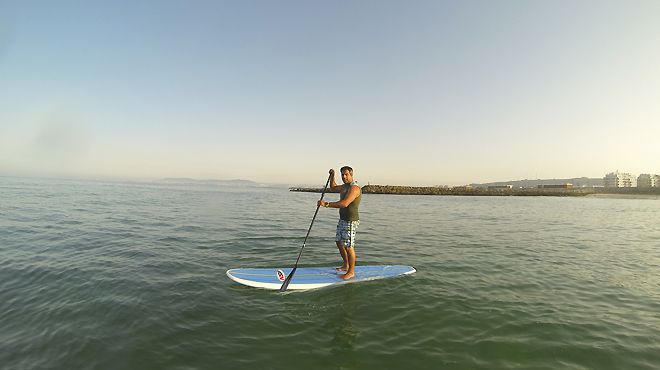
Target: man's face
x=346, y=177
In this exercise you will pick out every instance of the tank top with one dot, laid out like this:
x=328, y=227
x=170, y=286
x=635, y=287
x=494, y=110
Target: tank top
x=351, y=212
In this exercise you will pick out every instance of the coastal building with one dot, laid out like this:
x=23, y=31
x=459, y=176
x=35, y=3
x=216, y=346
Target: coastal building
x=500, y=187
x=619, y=180
x=646, y=180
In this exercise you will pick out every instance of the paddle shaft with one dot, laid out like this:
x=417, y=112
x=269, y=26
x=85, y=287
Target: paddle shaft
x=293, y=271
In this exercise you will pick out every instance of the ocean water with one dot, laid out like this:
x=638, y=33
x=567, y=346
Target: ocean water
x=108, y=275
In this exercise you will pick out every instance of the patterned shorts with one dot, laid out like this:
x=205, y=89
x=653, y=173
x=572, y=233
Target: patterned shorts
x=346, y=232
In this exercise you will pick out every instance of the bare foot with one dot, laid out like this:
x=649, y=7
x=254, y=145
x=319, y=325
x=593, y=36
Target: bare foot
x=348, y=275
x=343, y=268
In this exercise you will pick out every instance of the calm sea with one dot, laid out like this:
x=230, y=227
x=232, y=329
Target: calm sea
x=106, y=275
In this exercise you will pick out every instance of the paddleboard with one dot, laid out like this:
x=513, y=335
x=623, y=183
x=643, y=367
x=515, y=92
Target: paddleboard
x=313, y=277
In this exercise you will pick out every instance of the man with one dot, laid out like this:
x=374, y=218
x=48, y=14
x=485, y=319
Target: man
x=349, y=217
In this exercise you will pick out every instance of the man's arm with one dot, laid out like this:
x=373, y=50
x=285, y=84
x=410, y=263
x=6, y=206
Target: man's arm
x=333, y=183
x=353, y=193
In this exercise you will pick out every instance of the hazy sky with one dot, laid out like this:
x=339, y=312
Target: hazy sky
x=407, y=92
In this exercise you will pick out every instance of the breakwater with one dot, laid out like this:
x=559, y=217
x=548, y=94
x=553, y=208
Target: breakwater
x=468, y=191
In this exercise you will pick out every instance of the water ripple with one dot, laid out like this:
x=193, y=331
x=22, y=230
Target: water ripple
x=98, y=275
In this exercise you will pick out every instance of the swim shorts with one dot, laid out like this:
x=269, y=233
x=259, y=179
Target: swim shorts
x=346, y=232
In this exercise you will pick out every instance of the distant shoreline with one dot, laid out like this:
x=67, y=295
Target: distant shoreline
x=626, y=196
x=467, y=191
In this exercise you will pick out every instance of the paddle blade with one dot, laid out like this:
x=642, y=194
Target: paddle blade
x=288, y=280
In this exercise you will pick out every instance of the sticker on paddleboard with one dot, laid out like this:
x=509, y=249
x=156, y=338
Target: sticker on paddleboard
x=280, y=275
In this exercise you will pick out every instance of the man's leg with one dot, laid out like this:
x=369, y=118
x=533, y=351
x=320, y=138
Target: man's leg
x=350, y=254
x=349, y=248
x=344, y=257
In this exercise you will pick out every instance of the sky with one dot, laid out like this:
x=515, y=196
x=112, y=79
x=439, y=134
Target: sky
x=405, y=92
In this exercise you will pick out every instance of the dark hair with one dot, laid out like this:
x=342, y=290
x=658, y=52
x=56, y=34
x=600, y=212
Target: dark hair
x=350, y=170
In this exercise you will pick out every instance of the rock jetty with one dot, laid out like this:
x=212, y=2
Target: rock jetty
x=463, y=191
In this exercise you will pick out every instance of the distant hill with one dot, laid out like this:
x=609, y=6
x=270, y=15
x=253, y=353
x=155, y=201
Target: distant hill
x=577, y=182
x=189, y=181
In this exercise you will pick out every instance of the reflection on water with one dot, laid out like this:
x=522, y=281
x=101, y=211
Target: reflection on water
x=340, y=323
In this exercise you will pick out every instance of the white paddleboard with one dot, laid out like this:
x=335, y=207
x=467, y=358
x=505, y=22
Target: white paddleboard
x=313, y=277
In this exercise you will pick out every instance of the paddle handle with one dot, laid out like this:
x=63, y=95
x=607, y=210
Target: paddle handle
x=313, y=218
x=293, y=271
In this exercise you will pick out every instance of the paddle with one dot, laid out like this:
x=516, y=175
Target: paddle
x=295, y=267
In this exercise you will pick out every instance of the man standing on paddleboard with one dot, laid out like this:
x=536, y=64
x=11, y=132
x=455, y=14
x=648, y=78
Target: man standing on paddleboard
x=350, y=195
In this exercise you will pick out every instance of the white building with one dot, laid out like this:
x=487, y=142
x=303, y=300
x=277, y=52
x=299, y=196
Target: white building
x=619, y=180
x=646, y=180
